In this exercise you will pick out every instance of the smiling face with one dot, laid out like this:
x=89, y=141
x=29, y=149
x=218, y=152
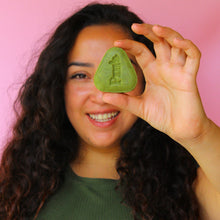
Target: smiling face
x=97, y=123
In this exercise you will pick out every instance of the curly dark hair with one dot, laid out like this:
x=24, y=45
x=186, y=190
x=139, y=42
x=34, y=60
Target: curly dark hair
x=156, y=173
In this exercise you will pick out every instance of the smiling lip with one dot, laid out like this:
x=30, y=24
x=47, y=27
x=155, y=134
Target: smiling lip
x=103, y=119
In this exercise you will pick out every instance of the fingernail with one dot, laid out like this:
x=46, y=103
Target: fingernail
x=178, y=38
x=157, y=26
x=117, y=42
x=135, y=25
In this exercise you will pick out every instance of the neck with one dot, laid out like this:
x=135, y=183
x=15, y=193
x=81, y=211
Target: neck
x=96, y=162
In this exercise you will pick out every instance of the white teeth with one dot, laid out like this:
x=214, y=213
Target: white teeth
x=103, y=117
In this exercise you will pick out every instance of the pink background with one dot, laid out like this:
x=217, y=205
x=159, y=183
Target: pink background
x=25, y=26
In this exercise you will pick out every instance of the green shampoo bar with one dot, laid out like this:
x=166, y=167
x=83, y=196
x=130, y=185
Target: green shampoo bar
x=115, y=73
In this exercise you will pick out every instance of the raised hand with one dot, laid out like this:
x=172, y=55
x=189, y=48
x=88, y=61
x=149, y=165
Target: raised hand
x=170, y=101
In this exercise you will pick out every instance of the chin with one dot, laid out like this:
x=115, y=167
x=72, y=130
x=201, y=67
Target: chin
x=101, y=143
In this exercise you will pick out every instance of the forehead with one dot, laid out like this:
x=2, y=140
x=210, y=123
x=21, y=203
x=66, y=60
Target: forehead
x=107, y=32
x=97, y=39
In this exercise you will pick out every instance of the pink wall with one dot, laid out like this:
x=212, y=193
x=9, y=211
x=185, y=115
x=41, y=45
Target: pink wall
x=24, y=26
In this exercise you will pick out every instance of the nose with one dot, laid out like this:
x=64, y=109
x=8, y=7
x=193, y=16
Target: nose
x=96, y=95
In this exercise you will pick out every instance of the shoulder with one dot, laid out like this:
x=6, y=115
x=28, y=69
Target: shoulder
x=208, y=197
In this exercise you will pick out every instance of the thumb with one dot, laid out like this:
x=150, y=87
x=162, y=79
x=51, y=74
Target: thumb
x=124, y=101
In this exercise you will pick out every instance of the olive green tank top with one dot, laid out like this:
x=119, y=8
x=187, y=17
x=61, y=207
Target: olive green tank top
x=82, y=198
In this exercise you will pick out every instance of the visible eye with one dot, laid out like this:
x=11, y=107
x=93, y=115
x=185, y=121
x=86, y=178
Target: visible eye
x=79, y=76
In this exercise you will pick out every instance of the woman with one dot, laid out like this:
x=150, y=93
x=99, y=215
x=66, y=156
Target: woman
x=71, y=141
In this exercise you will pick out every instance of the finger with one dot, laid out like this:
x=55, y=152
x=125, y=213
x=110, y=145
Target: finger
x=125, y=102
x=192, y=52
x=146, y=30
x=166, y=33
x=161, y=47
x=142, y=54
x=162, y=50
x=178, y=56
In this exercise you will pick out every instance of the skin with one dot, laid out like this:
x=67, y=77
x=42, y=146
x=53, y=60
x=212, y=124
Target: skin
x=99, y=143
x=170, y=102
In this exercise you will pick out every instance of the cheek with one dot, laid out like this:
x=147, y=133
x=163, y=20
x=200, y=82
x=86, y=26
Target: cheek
x=73, y=96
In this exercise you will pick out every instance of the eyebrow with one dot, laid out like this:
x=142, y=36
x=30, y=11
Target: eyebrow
x=80, y=64
x=90, y=64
